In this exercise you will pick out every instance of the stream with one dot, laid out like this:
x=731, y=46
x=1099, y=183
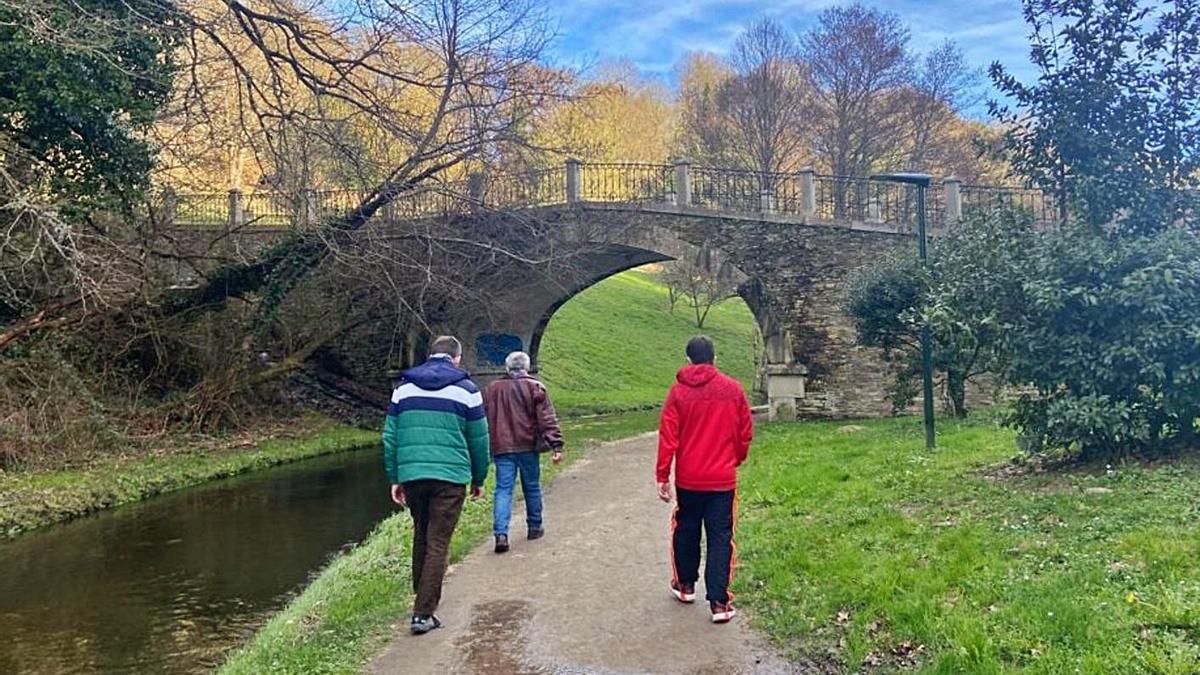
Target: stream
x=171, y=584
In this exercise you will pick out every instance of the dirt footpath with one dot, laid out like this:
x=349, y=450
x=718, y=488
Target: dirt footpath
x=591, y=597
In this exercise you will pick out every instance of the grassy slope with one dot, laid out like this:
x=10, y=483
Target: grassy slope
x=616, y=347
x=34, y=499
x=363, y=597
x=863, y=548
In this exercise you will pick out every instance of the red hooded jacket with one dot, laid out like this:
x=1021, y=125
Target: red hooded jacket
x=705, y=428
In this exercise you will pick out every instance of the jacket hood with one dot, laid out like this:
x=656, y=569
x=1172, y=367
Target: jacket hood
x=434, y=374
x=697, y=375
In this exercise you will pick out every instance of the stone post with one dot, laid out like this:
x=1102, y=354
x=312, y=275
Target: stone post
x=574, y=181
x=310, y=209
x=785, y=390
x=170, y=206
x=475, y=187
x=683, y=183
x=808, y=194
x=237, y=212
x=767, y=200
x=952, y=189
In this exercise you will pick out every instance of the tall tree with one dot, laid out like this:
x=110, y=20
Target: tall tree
x=436, y=82
x=767, y=102
x=1110, y=124
x=703, y=129
x=81, y=82
x=858, y=60
x=941, y=87
x=617, y=115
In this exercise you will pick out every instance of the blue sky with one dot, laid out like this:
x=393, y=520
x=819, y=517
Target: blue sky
x=653, y=34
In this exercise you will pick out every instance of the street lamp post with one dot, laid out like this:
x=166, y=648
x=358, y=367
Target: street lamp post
x=922, y=181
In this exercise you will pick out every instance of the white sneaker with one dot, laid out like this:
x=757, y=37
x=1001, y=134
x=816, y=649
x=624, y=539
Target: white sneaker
x=683, y=593
x=722, y=613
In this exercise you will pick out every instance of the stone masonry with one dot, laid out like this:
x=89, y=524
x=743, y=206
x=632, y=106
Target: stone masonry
x=797, y=276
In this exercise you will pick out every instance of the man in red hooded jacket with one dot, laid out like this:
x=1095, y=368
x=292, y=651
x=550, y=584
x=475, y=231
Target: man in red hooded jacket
x=706, y=431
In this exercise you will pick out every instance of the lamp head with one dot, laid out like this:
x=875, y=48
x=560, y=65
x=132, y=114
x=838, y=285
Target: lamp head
x=921, y=179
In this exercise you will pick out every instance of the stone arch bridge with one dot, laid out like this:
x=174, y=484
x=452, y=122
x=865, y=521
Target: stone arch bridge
x=795, y=238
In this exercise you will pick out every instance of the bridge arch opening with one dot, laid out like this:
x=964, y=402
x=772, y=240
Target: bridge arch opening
x=624, y=301
x=616, y=345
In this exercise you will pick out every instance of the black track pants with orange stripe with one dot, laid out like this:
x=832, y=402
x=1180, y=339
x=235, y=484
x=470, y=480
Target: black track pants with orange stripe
x=715, y=511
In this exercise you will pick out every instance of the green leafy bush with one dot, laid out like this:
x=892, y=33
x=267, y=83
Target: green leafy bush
x=1107, y=330
x=1100, y=332
x=956, y=294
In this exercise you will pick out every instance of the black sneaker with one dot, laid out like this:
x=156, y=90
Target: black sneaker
x=501, y=543
x=536, y=533
x=423, y=624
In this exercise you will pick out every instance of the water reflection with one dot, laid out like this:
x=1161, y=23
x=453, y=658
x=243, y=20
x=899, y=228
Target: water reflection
x=169, y=585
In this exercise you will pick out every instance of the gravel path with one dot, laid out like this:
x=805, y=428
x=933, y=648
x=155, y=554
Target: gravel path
x=591, y=597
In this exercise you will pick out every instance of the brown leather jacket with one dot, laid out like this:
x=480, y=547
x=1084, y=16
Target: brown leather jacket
x=518, y=409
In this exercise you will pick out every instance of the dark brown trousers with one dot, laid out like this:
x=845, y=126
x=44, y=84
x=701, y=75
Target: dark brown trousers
x=435, y=507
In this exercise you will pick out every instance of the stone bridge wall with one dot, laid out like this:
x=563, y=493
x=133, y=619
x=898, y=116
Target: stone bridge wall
x=797, y=278
x=804, y=271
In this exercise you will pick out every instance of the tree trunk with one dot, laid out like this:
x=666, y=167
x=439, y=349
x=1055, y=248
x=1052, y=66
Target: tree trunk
x=1187, y=431
x=956, y=387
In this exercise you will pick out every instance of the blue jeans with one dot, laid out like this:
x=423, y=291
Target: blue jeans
x=507, y=466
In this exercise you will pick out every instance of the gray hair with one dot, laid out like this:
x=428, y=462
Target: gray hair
x=516, y=361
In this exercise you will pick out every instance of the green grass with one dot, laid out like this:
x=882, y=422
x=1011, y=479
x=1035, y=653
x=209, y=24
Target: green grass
x=615, y=346
x=863, y=551
x=352, y=609
x=33, y=499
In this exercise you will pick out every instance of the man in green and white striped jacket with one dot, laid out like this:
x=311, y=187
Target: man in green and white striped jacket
x=435, y=443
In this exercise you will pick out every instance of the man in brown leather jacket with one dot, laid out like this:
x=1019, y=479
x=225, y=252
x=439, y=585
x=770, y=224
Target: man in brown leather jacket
x=522, y=425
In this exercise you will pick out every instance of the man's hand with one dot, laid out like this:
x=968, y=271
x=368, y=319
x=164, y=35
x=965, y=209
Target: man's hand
x=398, y=495
x=556, y=456
x=664, y=492
x=476, y=492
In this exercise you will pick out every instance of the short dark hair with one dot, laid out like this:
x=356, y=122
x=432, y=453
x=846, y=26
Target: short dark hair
x=700, y=349
x=446, y=344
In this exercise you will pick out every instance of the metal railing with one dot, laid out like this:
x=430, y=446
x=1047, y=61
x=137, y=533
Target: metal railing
x=634, y=183
x=860, y=200
x=546, y=187
x=198, y=208
x=1042, y=206
x=805, y=196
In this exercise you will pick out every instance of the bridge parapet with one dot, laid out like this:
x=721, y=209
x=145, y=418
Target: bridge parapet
x=804, y=196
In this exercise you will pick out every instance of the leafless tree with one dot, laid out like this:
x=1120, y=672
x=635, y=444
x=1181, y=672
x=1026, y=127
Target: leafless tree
x=430, y=85
x=703, y=129
x=858, y=60
x=943, y=85
x=767, y=102
x=702, y=280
